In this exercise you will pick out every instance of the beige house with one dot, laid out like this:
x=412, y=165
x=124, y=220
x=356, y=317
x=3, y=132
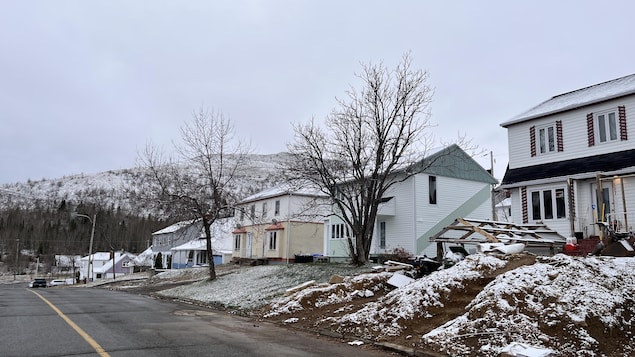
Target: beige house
x=280, y=224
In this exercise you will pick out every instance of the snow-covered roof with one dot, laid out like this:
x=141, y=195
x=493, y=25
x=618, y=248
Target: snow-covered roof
x=145, y=258
x=284, y=189
x=196, y=244
x=174, y=228
x=585, y=96
x=199, y=244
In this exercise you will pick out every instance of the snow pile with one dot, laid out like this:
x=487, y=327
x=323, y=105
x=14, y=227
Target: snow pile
x=414, y=301
x=567, y=304
x=580, y=306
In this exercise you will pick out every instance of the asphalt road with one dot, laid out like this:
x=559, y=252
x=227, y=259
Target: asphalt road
x=63, y=321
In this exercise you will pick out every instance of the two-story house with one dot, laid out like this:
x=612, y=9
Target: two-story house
x=451, y=185
x=571, y=161
x=280, y=223
x=173, y=236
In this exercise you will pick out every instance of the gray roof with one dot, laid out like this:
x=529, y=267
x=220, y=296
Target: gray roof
x=579, y=98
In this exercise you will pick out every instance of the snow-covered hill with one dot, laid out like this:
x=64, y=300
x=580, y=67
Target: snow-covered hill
x=109, y=189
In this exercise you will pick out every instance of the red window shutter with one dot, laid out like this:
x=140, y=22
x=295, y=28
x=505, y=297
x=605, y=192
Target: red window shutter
x=589, y=129
x=523, y=199
x=559, y=135
x=622, y=115
x=532, y=140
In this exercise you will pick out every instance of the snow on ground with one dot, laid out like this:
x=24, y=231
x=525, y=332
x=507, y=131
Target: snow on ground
x=576, y=306
x=248, y=288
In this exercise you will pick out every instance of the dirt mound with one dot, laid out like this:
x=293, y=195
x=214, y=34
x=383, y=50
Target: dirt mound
x=575, y=306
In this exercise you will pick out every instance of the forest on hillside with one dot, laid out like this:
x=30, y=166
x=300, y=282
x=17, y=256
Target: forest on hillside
x=27, y=235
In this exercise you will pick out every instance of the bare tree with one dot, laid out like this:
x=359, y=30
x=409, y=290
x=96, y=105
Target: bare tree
x=198, y=184
x=371, y=141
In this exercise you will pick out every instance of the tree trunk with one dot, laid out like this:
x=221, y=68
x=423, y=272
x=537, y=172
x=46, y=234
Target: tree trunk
x=210, y=254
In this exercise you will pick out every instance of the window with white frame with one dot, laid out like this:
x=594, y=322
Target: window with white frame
x=339, y=231
x=253, y=211
x=606, y=123
x=237, y=242
x=548, y=204
x=277, y=208
x=546, y=138
x=273, y=240
x=264, y=209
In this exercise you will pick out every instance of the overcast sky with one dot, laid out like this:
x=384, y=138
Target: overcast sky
x=84, y=85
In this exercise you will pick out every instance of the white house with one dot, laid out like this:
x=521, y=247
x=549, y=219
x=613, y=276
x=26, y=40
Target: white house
x=106, y=265
x=572, y=162
x=451, y=185
x=280, y=223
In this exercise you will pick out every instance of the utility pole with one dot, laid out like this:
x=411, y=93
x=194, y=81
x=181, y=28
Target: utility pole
x=17, y=257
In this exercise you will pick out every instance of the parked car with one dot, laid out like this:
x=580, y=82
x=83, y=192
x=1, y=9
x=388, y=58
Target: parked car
x=38, y=283
x=56, y=282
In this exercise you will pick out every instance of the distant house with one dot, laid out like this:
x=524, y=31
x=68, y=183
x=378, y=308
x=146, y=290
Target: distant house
x=572, y=162
x=280, y=223
x=504, y=210
x=173, y=236
x=183, y=244
x=66, y=264
x=107, y=265
x=194, y=252
x=451, y=185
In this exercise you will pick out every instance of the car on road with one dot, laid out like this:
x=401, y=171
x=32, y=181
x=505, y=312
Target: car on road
x=56, y=282
x=38, y=283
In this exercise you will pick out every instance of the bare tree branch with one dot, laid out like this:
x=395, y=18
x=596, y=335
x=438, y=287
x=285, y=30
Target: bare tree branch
x=375, y=132
x=199, y=184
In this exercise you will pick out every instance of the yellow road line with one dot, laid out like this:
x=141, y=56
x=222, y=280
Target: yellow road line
x=77, y=329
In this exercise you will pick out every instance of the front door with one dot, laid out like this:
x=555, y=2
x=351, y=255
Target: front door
x=248, y=245
x=602, y=206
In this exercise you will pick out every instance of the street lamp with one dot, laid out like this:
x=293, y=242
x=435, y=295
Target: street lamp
x=92, y=235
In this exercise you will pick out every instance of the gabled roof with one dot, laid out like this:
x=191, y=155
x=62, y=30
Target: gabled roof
x=579, y=98
x=591, y=164
x=175, y=227
x=452, y=161
x=283, y=190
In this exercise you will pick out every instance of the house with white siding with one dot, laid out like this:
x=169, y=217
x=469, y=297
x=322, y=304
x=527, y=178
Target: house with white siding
x=451, y=185
x=280, y=223
x=572, y=162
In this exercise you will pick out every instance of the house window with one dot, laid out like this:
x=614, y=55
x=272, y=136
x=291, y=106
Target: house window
x=264, y=209
x=382, y=235
x=606, y=123
x=237, y=242
x=201, y=258
x=546, y=139
x=548, y=204
x=253, y=211
x=432, y=189
x=277, y=208
x=273, y=238
x=339, y=231
x=242, y=214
